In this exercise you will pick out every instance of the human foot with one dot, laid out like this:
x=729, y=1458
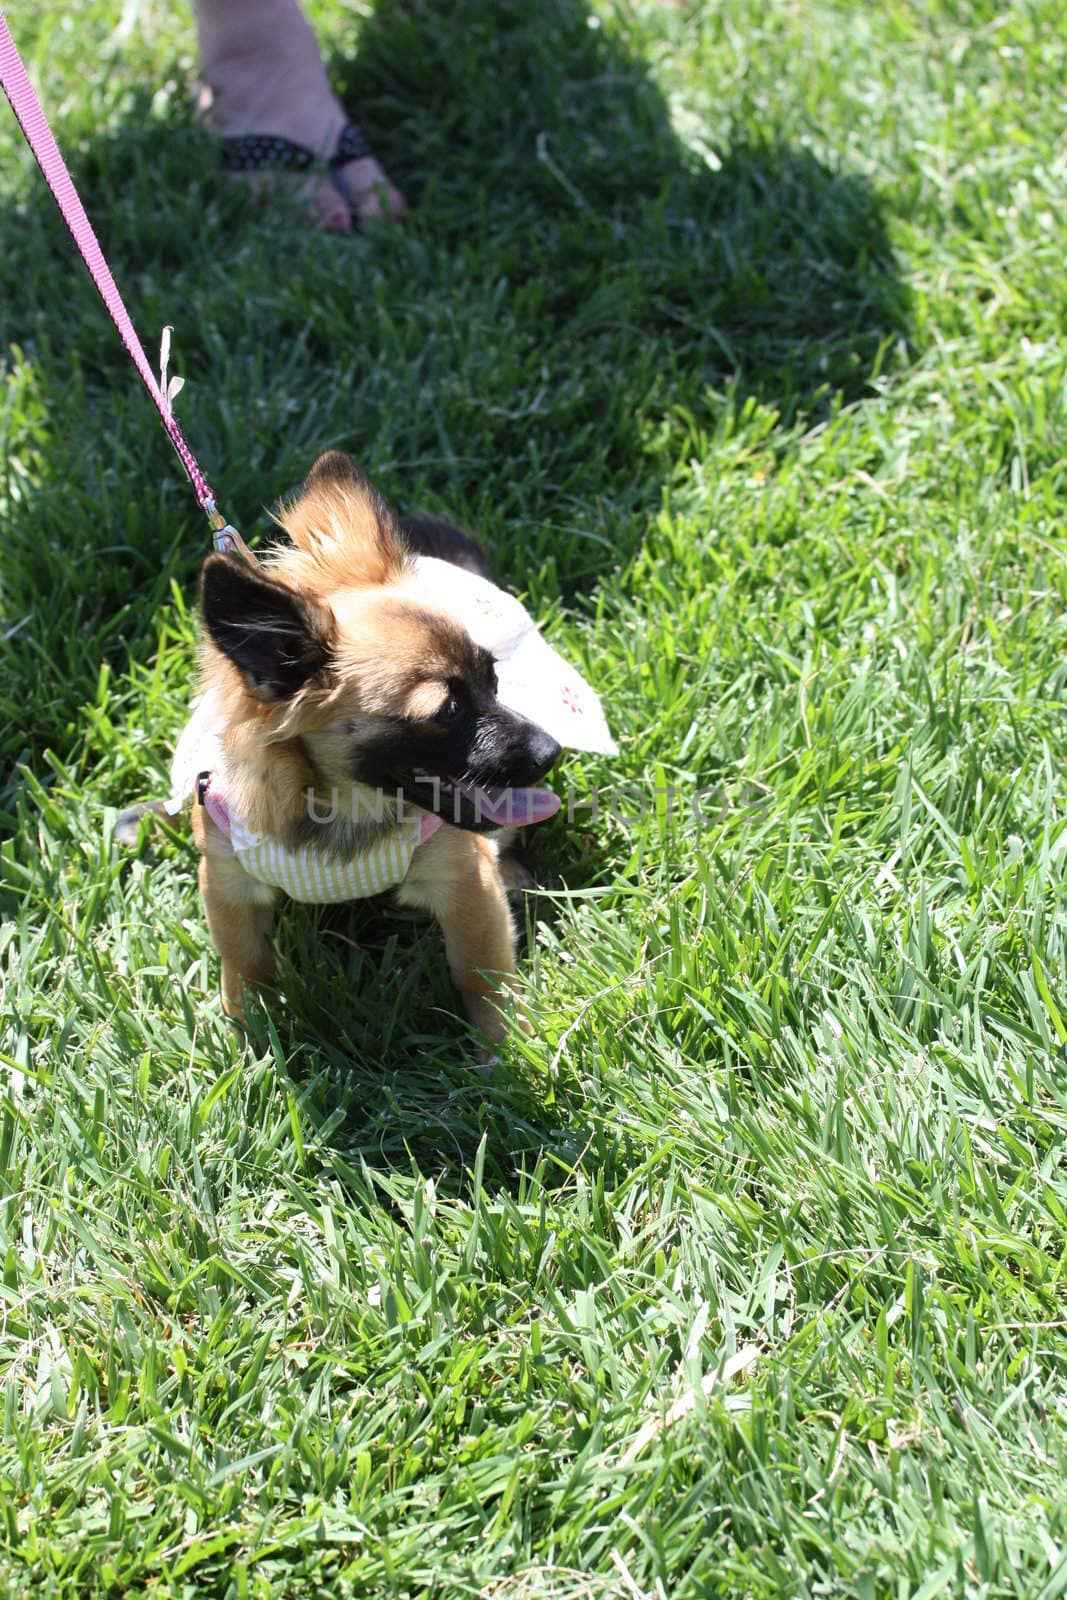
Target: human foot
x=369, y=193
x=356, y=186
x=268, y=97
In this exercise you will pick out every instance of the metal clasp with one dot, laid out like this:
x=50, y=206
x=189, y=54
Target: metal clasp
x=228, y=541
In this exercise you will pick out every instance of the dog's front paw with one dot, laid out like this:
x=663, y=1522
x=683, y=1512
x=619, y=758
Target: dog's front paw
x=491, y=1014
x=515, y=875
x=235, y=981
x=484, y=1014
x=233, y=996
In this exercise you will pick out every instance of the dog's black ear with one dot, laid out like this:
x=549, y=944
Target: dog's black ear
x=279, y=640
x=429, y=536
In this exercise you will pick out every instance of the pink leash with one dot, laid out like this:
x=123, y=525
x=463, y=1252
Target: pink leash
x=34, y=124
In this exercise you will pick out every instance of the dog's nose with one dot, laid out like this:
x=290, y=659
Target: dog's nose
x=544, y=753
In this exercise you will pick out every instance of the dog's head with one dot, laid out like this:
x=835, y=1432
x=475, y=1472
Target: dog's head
x=324, y=648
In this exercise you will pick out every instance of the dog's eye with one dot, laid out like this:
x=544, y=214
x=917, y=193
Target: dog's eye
x=448, y=712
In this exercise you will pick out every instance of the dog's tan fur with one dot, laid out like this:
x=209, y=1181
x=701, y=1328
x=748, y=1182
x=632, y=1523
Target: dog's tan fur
x=388, y=657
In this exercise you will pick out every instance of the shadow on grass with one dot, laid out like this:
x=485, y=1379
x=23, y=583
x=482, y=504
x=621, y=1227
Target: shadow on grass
x=371, y=1030
x=653, y=276
x=534, y=354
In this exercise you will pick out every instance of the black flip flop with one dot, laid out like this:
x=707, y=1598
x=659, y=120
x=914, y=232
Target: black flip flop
x=270, y=152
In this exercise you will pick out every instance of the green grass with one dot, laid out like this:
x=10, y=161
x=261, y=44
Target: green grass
x=738, y=332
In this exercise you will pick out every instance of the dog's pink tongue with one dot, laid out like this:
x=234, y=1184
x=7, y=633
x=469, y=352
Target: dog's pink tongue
x=514, y=808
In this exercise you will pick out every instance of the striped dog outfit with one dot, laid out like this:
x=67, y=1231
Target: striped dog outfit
x=313, y=876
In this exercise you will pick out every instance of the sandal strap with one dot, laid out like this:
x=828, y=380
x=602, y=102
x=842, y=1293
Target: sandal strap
x=352, y=145
x=257, y=152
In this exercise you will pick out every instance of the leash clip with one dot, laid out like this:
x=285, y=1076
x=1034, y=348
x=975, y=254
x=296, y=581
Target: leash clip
x=228, y=541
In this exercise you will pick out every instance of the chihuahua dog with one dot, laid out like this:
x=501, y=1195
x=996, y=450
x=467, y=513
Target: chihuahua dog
x=343, y=706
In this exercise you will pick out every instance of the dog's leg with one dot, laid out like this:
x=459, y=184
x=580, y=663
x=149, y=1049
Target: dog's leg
x=456, y=875
x=240, y=925
x=240, y=913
